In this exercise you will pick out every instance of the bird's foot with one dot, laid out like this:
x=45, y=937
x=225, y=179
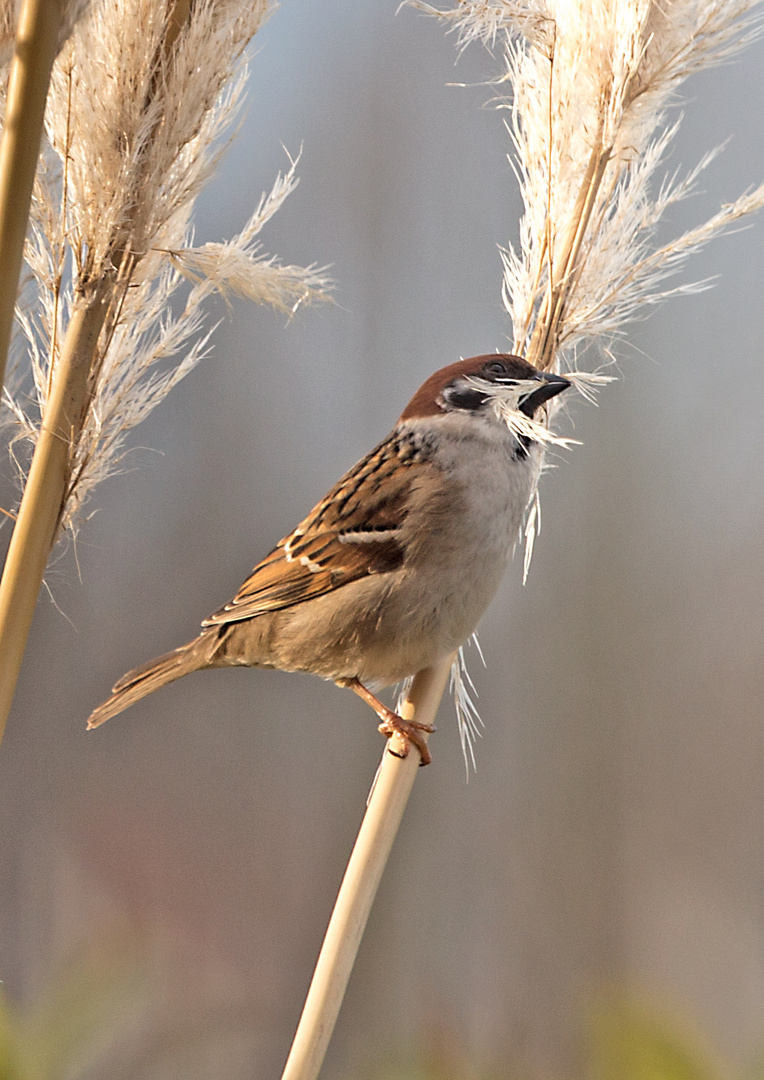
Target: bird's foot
x=409, y=731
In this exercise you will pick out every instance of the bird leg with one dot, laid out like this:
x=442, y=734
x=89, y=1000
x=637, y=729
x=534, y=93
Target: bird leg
x=409, y=730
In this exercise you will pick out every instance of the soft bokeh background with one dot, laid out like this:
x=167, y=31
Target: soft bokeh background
x=614, y=827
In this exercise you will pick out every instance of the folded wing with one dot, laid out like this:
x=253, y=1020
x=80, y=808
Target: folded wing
x=354, y=531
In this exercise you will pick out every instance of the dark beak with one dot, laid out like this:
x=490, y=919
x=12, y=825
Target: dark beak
x=551, y=386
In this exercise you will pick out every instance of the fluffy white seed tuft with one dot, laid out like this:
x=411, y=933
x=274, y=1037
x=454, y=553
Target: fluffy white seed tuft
x=137, y=118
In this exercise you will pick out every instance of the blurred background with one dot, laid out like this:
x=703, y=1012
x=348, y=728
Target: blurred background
x=612, y=835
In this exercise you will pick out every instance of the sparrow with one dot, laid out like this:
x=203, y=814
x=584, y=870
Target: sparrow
x=393, y=569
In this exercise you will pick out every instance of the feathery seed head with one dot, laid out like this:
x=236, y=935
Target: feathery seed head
x=591, y=81
x=137, y=115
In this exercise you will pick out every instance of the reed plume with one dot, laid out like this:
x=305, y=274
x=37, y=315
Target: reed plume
x=591, y=83
x=141, y=98
x=119, y=211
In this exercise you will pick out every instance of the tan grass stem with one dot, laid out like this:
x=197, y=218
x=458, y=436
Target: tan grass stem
x=36, y=45
x=542, y=351
x=38, y=518
x=73, y=383
x=384, y=812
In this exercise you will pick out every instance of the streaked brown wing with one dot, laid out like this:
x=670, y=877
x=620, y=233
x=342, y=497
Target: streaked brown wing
x=352, y=532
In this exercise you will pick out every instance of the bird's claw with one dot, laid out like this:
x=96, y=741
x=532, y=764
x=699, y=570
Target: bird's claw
x=410, y=731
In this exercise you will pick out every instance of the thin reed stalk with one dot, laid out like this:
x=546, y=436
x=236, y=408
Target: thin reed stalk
x=110, y=243
x=384, y=813
x=37, y=40
x=544, y=342
x=44, y=494
x=72, y=382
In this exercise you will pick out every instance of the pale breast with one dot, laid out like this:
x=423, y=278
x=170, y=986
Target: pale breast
x=464, y=511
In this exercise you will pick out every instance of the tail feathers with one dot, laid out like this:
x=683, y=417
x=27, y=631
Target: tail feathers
x=149, y=677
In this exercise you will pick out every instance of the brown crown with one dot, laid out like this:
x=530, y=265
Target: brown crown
x=425, y=400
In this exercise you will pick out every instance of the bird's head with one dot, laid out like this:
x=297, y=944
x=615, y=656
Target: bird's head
x=496, y=386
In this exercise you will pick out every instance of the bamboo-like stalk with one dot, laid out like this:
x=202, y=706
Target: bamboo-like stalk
x=38, y=518
x=36, y=44
x=73, y=381
x=542, y=350
x=384, y=812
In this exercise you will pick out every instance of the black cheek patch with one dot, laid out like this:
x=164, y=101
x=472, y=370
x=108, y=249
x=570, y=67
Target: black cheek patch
x=520, y=453
x=468, y=399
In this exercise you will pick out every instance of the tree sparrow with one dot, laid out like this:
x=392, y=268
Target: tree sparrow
x=394, y=568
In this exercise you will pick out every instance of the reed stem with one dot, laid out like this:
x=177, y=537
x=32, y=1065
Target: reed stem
x=73, y=383
x=36, y=45
x=546, y=334
x=384, y=812
x=39, y=514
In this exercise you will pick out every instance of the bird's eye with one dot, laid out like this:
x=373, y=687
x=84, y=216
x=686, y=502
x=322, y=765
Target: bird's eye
x=496, y=368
